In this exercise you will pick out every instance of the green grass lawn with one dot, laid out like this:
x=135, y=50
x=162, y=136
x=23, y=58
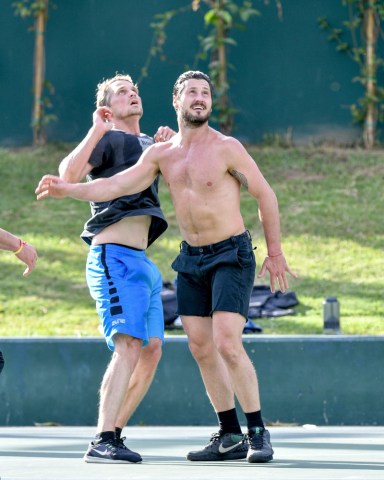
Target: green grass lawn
x=331, y=204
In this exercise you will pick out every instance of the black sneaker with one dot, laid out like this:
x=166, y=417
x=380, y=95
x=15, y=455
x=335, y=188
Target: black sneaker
x=120, y=441
x=230, y=446
x=112, y=451
x=260, y=448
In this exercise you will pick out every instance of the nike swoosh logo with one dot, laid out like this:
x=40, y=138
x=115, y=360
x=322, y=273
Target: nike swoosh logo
x=227, y=449
x=103, y=453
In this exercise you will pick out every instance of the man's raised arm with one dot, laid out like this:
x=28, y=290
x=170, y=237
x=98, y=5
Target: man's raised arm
x=74, y=167
x=130, y=181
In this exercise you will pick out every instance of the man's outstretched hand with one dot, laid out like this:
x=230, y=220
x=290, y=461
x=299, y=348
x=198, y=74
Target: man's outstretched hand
x=52, y=186
x=277, y=268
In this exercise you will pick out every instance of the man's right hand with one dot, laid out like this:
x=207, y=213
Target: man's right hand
x=102, y=119
x=52, y=186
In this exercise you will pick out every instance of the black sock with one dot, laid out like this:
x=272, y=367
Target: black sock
x=228, y=422
x=118, y=432
x=104, y=437
x=254, y=420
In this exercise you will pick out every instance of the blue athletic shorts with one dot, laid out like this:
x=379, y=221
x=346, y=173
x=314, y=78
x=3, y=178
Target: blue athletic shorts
x=217, y=277
x=126, y=286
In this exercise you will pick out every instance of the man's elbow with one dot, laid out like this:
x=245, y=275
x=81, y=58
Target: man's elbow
x=68, y=175
x=64, y=176
x=68, y=178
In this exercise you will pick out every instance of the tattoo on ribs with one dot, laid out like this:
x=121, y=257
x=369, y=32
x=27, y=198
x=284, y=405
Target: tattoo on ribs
x=240, y=177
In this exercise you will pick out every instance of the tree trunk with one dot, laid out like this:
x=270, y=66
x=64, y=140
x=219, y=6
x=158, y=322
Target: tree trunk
x=222, y=66
x=370, y=34
x=225, y=121
x=39, y=73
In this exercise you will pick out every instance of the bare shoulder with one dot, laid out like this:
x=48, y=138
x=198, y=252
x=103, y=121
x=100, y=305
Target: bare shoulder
x=155, y=150
x=232, y=151
x=231, y=144
x=155, y=155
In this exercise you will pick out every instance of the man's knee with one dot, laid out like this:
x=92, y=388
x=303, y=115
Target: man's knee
x=127, y=346
x=153, y=351
x=231, y=353
x=201, y=351
x=149, y=357
x=227, y=336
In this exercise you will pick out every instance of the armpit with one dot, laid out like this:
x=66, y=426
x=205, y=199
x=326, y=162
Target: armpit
x=240, y=177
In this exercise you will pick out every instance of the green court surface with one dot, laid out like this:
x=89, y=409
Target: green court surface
x=309, y=452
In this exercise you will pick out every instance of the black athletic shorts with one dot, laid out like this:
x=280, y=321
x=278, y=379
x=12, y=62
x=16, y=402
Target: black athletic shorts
x=217, y=277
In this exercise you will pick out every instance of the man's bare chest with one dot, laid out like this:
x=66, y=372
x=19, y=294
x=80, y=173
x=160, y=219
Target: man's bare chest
x=199, y=174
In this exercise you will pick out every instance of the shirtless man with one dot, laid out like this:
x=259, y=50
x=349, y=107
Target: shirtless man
x=125, y=284
x=204, y=171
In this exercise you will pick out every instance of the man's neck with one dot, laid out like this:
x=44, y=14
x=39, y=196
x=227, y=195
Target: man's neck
x=193, y=134
x=130, y=125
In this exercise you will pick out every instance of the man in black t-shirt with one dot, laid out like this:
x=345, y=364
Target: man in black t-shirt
x=125, y=284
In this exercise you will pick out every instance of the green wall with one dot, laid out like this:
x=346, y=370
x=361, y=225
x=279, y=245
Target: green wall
x=322, y=380
x=286, y=76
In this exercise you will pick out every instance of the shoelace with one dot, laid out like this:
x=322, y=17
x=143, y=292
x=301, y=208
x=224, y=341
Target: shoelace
x=256, y=441
x=110, y=443
x=120, y=442
x=214, y=438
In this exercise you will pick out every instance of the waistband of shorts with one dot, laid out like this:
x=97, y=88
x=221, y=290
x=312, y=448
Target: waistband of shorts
x=117, y=247
x=214, y=247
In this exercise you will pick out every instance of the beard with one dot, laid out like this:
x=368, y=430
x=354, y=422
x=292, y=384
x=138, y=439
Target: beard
x=194, y=121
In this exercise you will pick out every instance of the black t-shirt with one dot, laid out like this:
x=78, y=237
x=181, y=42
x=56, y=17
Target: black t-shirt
x=116, y=152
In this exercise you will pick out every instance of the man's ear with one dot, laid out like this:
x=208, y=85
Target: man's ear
x=174, y=102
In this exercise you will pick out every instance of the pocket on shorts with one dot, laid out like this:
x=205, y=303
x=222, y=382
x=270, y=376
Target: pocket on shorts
x=245, y=257
x=184, y=264
x=175, y=264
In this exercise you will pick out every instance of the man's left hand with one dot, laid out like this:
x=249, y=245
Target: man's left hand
x=277, y=268
x=164, y=134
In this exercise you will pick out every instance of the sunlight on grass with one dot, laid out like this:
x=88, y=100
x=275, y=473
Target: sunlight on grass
x=333, y=267
x=332, y=232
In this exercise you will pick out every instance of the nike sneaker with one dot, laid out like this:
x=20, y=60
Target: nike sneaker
x=112, y=451
x=260, y=448
x=230, y=446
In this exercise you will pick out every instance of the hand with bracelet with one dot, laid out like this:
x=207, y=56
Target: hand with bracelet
x=277, y=267
x=25, y=252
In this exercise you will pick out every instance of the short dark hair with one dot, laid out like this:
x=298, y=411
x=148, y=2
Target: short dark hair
x=179, y=84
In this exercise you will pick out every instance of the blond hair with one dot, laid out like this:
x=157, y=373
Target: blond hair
x=103, y=88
